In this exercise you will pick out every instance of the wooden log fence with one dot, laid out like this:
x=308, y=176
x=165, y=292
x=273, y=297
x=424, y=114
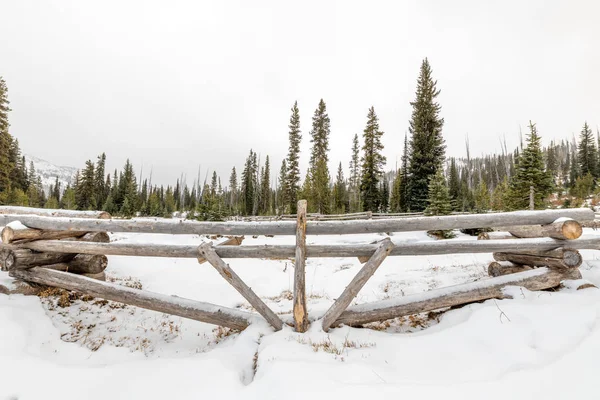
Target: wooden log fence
x=64, y=249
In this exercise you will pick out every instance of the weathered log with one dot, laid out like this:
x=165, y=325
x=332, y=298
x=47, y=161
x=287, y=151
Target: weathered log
x=21, y=287
x=54, y=213
x=335, y=250
x=96, y=237
x=536, y=279
x=563, y=230
x=504, y=268
x=81, y=264
x=571, y=259
x=312, y=227
x=206, y=251
x=357, y=283
x=24, y=258
x=494, y=236
x=299, y=301
x=10, y=235
x=196, y=310
x=101, y=276
x=232, y=241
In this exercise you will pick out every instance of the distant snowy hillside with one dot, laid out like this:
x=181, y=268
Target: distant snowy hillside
x=49, y=172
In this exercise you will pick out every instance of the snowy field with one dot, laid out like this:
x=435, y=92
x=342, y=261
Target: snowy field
x=537, y=345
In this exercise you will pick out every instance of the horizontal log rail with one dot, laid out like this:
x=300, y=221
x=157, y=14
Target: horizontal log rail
x=541, y=217
x=312, y=251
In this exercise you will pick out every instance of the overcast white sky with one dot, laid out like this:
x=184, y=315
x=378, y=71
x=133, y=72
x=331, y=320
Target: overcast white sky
x=175, y=84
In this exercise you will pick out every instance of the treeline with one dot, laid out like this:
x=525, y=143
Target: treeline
x=425, y=180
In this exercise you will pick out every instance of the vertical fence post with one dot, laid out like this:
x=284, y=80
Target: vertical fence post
x=300, y=313
x=531, y=198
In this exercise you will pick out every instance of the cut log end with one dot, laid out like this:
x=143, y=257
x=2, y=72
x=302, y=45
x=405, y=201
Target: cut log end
x=571, y=229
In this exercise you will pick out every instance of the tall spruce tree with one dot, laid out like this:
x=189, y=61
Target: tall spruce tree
x=530, y=172
x=248, y=184
x=454, y=184
x=427, y=143
x=319, y=171
x=339, y=192
x=85, y=188
x=265, y=188
x=292, y=183
x=5, y=138
x=588, y=155
x=403, y=189
x=355, y=176
x=372, y=163
x=395, y=195
x=233, y=191
x=100, y=190
x=281, y=190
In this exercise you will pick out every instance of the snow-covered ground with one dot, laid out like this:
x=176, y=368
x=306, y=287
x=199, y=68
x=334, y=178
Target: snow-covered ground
x=537, y=345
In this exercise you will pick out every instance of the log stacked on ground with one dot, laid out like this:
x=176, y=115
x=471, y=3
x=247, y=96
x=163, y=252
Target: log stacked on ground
x=563, y=230
x=558, y=258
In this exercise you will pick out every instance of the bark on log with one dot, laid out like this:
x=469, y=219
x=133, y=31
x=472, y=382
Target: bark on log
x=299, y=301
x=350, y=292
x=312, y=227
x=570, y=259
x=323, y=251
x=206, y=251
x=536, y=279
x=232, y=241
x=54, y=213
x=196, y=310
x=81, y=264
x=494, y=236
x=99, y=277
x=96, y=237
x=10, y=235
x=563, y=230
x=504, y=268
x=24, y=258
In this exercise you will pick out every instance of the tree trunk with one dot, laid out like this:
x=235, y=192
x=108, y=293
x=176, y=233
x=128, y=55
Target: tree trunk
x=299, y=302
x=24, y=259
x=570, y=259
x=563, y=230
x=196, y=310
x=10, y=235
x=536, y=279
x=504, y=268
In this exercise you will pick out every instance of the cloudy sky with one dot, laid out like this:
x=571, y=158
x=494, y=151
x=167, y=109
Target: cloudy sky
x=174, y=85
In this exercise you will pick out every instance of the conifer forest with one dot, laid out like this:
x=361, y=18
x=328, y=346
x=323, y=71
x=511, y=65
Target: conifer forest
x=562, y=174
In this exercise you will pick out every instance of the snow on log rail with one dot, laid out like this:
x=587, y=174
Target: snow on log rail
x=55, y=240
x=182, y=227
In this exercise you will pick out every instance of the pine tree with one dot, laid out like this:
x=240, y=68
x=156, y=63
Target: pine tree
x=530, y=172
x=588, y=155
x=340, y=192
x=319, y=171
x=454, y=184
x=282, y=182
x=372, y=163
x=403, y=189
x=384, y=203
x=248, y=185
x=127, y=191
x=85, y=188
x=68, y=200
x=482, y=198
x=265, y=188
x=355, y=176
x=233, y=191
x=395, y=195
x=5, y=138
x=292, y=183
x=99, y=180
x=438, y=196
x=427, y=143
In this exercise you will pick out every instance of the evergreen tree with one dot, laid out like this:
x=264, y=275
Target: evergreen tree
x=395, y=195
x=530, y=172
x=482, y=198
x=5, y=138
x=99, y=180
x=384, y=203
x=319, y=171
x=588, y=156
x=282, y=181
x=127, y=191
x=372, y=163
x=248, y=186
x=340, y=192
x=355, y=176
x=403, y=188
x=233, y=191
x=85, y=188
x=68, y=200
x=427, y=143
x=265, y=188
x=292, y=184
x=454, y=184
x=439, y=202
